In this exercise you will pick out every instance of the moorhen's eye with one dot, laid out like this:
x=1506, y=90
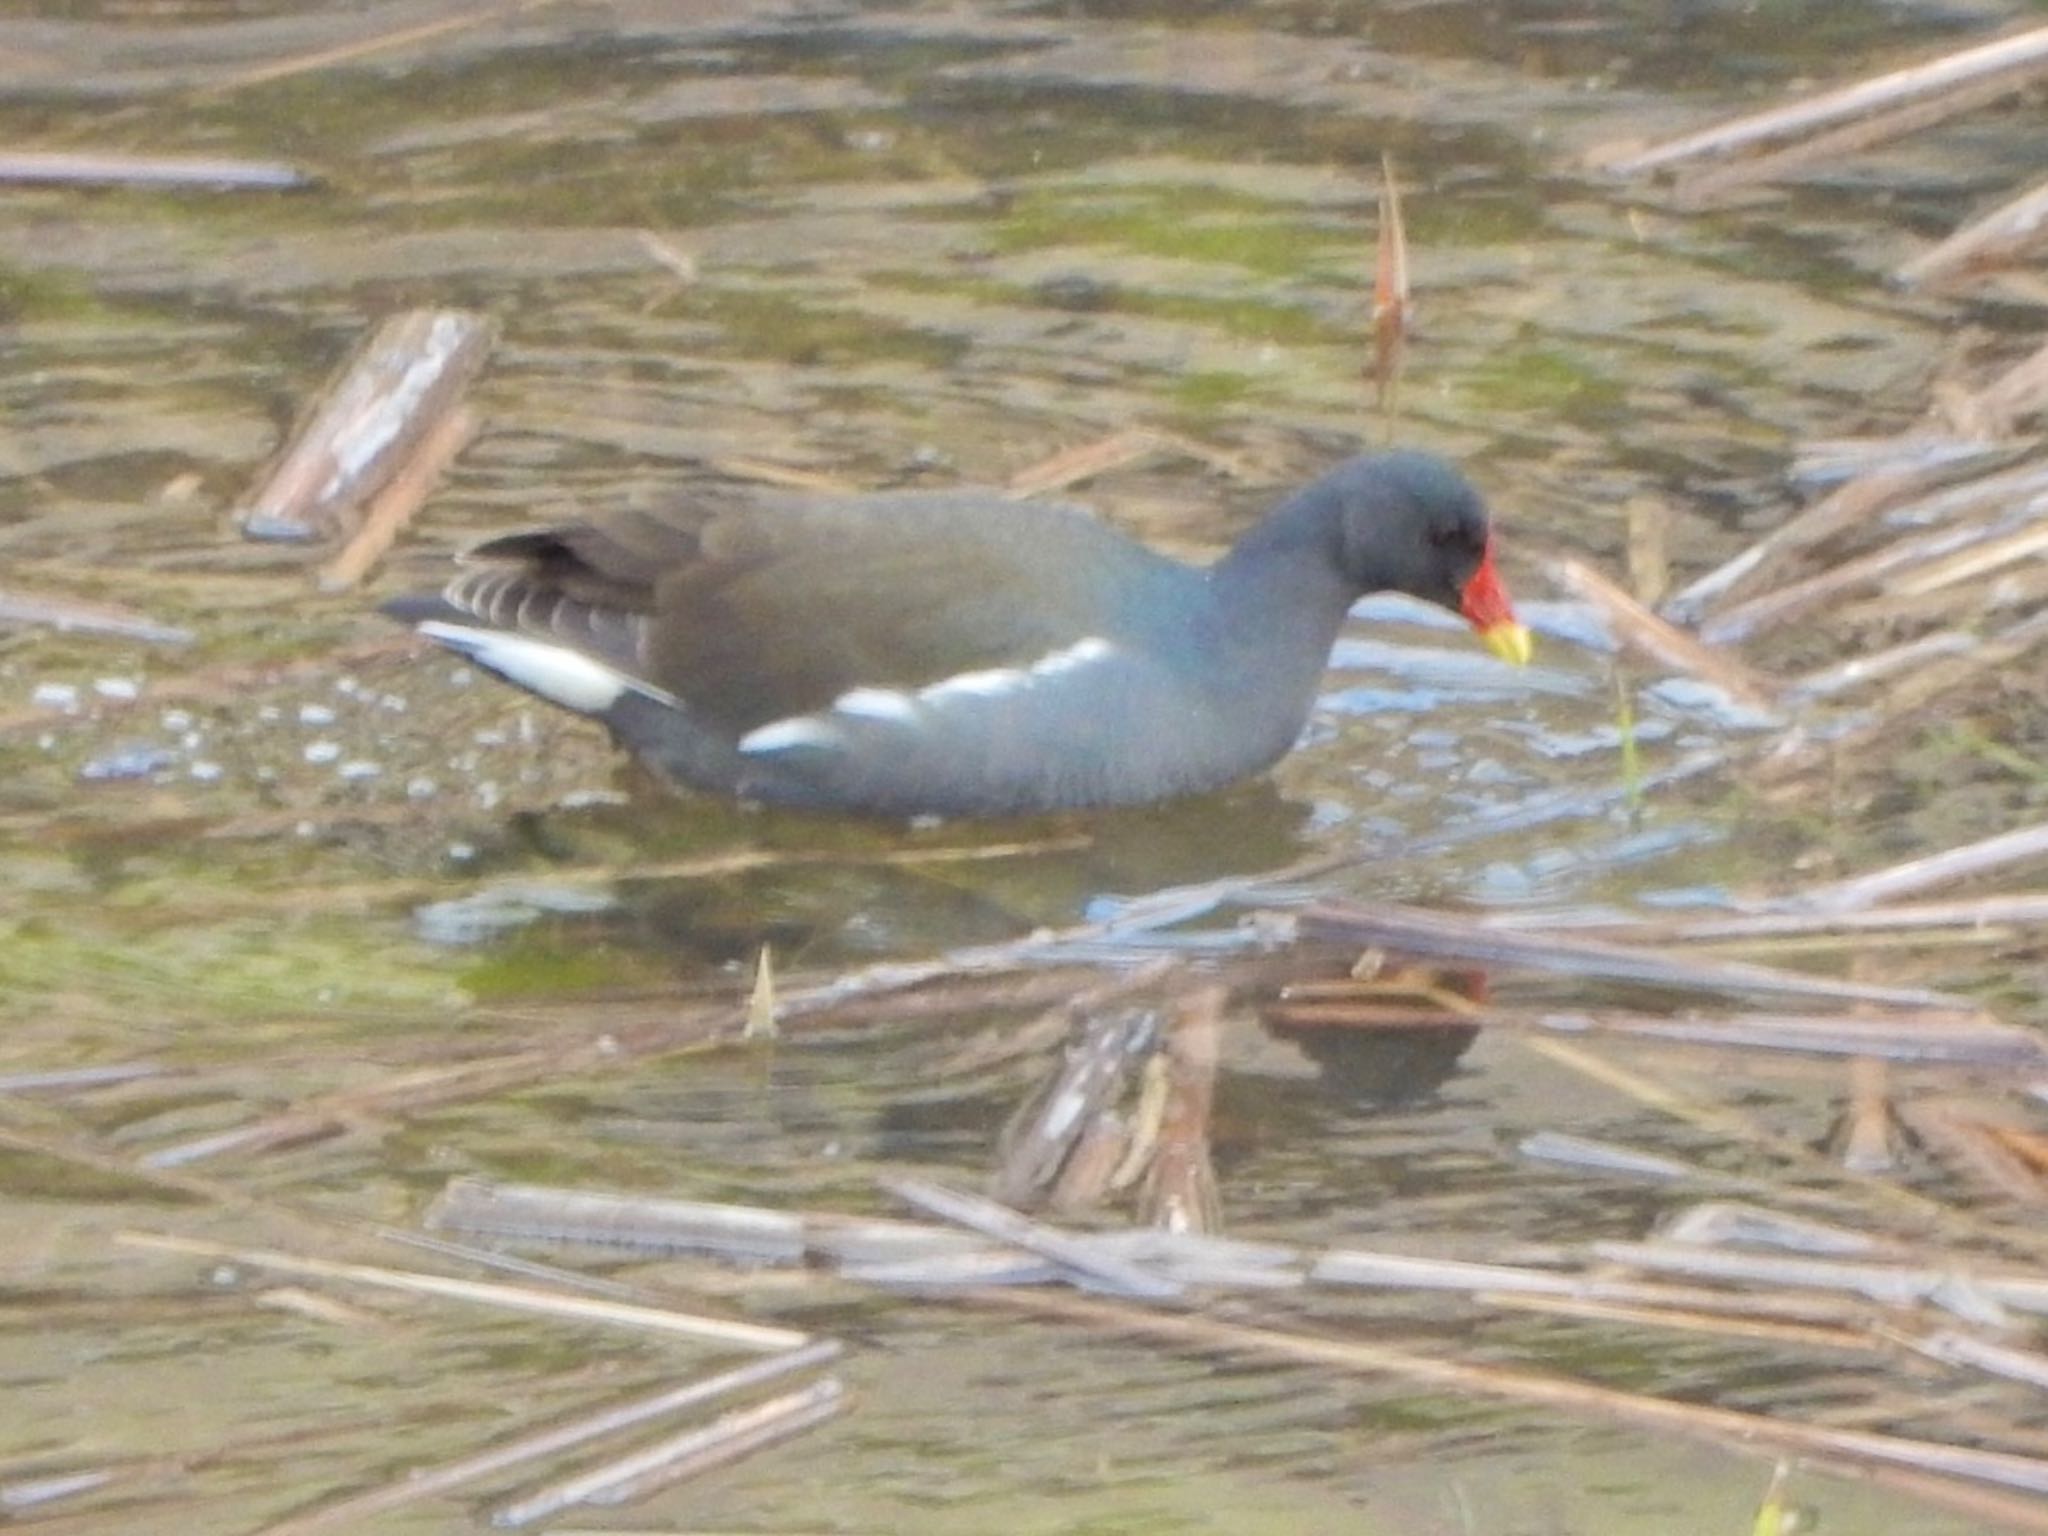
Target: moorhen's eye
x=1444, y=535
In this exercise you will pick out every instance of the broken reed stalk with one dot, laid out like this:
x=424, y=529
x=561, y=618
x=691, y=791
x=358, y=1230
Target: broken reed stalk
x=1951, y=1347
x=1451, y=936
x=1993, y=914
x=1731, y=1124
x=1948, y=1037
x=1050, y=1130
x=524, y=1212
x=2023, y=54
x=1769, y=609
x=1967, y=1144
x=1102, y=1270
x=1747, y=1328
x=1085, y=461
x=1865, y=1139
x=67, y=168
x=1876, y=666
x=762, y=472
x=392, y=395
x=487, y=1293
x=694, y=1451
x=1917, y=691
x=71, y=615
x=1726, y=1426
x=1983, y=416
x=1696, y=190
x=1131, y=445
x=431, y=1482
x=1637, y=628
x=392, y=508
x=1854, y=502
x=366, y=48
x=2016, y=394
x=1391, y=314
x=1858, y=892
x=1891, y=1285
x=2003, y=233
x=1180, y=1192
x=984, y=978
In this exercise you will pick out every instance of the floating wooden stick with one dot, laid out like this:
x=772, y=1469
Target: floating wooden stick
x=1450, y=936
x=401, y=496
x=2023, y=54
x=1913, y=875
x=728, y=1438
x=71, y=614
x=512, y=1297
x=1999, y=235
x=738, y=1233
x=1180, y=1192
x=1983, y=417
x=1721, y=177
x=1892, y=1285
x=392, y=396
x=88, y=169
x=432, y=1482
x=1049, y=1127
x=1948, y=1036
x=1664, y=643
x=1086, y=1262
x=1532, y=1389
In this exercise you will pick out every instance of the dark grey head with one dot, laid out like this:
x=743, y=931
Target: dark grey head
x=1407, y=522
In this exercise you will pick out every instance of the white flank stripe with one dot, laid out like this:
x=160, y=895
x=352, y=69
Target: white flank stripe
x=555, y=672
x=783, y=735
x=984, y=685
x=876, y=704
x=1079, y=654
x=997, y=681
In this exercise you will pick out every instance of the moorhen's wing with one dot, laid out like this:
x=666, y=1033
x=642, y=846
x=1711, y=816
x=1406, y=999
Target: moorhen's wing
x=757, y=614
x=784, y=611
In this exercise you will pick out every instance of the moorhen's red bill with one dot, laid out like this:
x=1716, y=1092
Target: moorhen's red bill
x=959, y=653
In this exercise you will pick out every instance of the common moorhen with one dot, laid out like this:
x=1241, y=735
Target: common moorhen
x=957, y=652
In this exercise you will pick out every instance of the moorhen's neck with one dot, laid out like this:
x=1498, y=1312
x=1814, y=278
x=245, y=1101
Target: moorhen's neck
x=1290, y=564
x=1279, y=598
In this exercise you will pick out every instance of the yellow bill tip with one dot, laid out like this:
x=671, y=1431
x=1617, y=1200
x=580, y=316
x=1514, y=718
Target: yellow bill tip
x=1509, y=641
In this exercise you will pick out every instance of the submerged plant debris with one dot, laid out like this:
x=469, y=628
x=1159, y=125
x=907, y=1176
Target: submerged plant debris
x=1662, y=1069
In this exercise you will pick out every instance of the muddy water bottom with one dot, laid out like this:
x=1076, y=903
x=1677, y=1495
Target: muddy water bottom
x=295, y=857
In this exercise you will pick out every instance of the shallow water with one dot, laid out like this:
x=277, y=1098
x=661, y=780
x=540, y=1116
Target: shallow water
x=931, y=245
